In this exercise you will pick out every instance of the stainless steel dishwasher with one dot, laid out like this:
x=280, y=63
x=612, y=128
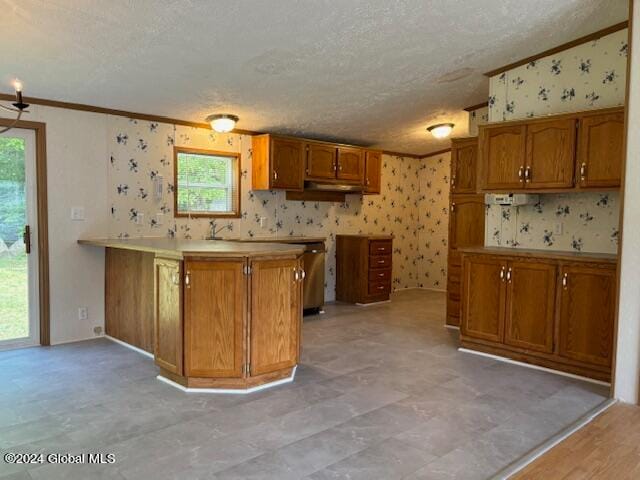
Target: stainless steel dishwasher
x=313, y=286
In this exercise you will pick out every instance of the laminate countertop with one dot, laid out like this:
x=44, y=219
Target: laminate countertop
x=196, y=248
x=279, y=239
x=538, y=253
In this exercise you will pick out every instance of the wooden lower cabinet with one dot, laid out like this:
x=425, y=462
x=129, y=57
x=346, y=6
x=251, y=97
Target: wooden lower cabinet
x=215, y=311
x=363, y=268
x=587, y=306
x=275, y=315
x=558, y=313
x=530, y=312
x=168, y=315
x=484, y=300
x=227, y=322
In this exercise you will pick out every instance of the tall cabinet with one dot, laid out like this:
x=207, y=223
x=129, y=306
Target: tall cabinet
x=466, y=217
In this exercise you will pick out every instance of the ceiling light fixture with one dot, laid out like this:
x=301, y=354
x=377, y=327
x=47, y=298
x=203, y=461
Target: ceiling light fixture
x=18, y=106
x=441, y=130
x=222, y=122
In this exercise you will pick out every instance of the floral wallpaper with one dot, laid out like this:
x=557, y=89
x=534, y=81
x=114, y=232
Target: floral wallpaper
x=141, y=152
x=433, y=221
x=588, y=76
x=477, y=117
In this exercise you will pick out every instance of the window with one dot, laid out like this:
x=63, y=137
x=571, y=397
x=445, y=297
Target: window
x=207, y=183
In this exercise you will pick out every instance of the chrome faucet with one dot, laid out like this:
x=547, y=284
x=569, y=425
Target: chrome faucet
x=215, y=231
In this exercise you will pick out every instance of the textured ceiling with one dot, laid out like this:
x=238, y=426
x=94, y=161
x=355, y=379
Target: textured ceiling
x=374, y=72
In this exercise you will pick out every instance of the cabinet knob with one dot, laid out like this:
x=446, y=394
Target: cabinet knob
x=583, y=171
x=520, y=173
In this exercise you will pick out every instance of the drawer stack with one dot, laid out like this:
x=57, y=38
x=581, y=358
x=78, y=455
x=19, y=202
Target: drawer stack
x=363, y=268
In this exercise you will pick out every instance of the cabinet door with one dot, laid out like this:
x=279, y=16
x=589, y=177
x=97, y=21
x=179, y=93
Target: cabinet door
x=351, y=164
x=550, y=154
x=168, y=315
x=464, y=167
x=372, y=172
x=502, y=151
x=321, y=162
x=466, y=221
x=276, y=314
x=529, y=318
x=587, y=306
x=287, y=157
x=600, y=150
x=215, y=295
x=483, y=294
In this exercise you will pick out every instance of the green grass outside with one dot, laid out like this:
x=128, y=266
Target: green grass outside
x=14, y=303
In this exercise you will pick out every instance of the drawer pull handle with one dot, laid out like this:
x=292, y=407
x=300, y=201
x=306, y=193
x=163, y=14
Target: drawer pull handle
x=520, y=172
x=381, y=262
x=502, y=274
x=583, y=171
x=381, y=249
x=527, y=174
x=381, y=274
x=380, y=287
x=187, y=280
x=565, y=280
x=509, y=275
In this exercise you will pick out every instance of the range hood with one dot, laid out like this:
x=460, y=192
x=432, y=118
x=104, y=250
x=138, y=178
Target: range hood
x=333, y=187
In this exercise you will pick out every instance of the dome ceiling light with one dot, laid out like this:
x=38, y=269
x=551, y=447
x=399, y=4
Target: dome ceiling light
x=441, y=130
x=223, y=122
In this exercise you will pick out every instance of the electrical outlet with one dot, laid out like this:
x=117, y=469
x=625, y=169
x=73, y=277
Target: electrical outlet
x=140, y=219
x=77, y=213
x=559, y=227
x=83, y=313
x=264, y=222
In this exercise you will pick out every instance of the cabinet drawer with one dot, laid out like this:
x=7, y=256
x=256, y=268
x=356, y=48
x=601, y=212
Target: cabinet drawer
x=380, y=275
x=376, y=288
x=380, y=247
x=379, y=261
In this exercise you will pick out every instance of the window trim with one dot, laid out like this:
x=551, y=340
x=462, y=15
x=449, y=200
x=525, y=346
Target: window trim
x=218, y=153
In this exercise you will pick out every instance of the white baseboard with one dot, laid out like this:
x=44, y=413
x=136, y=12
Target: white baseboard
x=452, y=327
x=229, y=390
x=534, y=367
x=372, y=303
x=125, y=344
x=537, y=452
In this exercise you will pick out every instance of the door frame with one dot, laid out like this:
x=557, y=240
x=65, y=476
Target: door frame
x=43, y=230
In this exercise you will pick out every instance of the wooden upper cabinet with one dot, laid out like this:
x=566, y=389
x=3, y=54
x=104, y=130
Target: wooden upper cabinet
x=502, y=157
x=483, y=301
x=587, y=311
x=214, y=318
x=464, y=156
x=550, y=154
x=276, y=314
x=321, y=161
x=530, y=310
x=350, y=164
x=372, y=171
x=277, y=163
x=466, y=221
x=600, y=150
x=168, y=315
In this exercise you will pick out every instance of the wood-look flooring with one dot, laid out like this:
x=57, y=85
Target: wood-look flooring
x=607, y=448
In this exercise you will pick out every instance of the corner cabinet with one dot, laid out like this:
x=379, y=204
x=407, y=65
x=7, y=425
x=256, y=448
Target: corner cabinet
x=561, y=153
x=229, y=323
x=553, y=312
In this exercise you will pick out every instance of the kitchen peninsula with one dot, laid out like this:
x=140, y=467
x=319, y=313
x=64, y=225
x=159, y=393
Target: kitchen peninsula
x=216, y=315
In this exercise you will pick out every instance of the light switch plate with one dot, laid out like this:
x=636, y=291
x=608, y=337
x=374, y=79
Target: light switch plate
x=77, y=214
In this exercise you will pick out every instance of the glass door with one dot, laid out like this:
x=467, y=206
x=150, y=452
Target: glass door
x=19, y=312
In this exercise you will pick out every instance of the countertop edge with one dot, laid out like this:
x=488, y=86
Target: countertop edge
x=290, y=249
x=537, y=253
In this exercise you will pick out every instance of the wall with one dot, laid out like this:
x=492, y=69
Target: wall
x=628, y=353
x=76, y=172
x=140, y=150
x=585, y=77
